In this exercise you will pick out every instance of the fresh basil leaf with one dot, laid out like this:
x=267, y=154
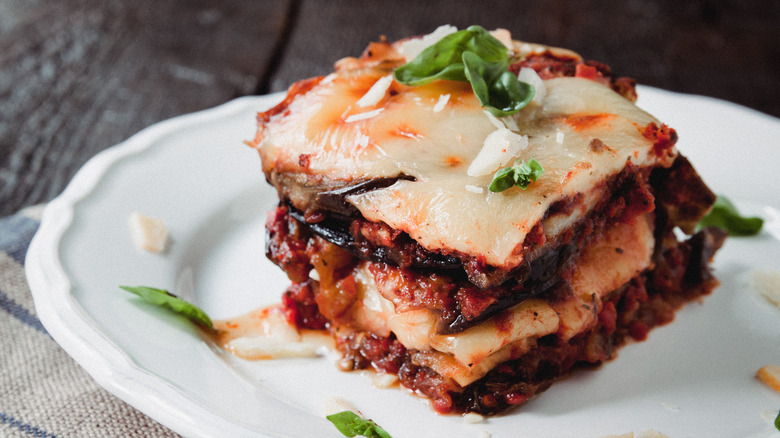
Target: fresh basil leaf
x=481, y=74
x=725, y=215
x=504, y=179
x=443, y=60
x=165, y=299
x=526, y=173
x=351, y=424
x=496, y=87
x=777, y=421
x=521, y=175
x=434, y=70
x=485, y=45
x=471, y=55
x=508, y=95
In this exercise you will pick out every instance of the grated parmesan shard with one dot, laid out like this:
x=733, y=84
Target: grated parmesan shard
x=148, y=233
x=476, y=299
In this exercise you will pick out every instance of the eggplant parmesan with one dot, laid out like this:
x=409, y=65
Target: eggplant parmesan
x=478, y=299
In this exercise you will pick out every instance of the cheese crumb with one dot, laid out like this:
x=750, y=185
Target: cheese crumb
x=441, y=103
x=494, y=120
x=679, y=234
x=505, y=37
x=500, y=147
x=473, y=418
x=413, y=47
x=770, y=375
x=529, y=76
x=363, y=116
x=334, y=405
x=504, y=122
x=559, y=137
x=376, y=92
x=264, y=347
x=768, y=415
x=527, y=48
x=474, y=189
x=767, y=284
x=150, y=234
x=363, y=140
x=383, y=380
x=510, y=123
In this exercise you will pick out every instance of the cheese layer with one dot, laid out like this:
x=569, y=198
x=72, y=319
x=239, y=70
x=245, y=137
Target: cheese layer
x=325, y=138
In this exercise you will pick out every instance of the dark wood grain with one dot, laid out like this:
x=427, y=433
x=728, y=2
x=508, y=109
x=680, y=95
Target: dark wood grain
x=724, y=49
x=79, y=76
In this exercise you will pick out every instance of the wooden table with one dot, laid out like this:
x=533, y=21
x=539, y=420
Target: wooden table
x=78, y=76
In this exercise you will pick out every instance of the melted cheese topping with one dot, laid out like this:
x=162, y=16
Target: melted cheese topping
x=408, y=132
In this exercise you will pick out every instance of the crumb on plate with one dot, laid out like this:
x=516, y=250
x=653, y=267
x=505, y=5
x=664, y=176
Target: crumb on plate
x=770, y=375
x=150, y=234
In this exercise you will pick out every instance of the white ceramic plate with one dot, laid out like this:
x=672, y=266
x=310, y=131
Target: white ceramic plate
x=694, y=377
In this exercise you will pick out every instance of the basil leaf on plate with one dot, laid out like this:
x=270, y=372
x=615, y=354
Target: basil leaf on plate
x=351, y=424
x=165, y=299
x=777, y=421
x=725, y=215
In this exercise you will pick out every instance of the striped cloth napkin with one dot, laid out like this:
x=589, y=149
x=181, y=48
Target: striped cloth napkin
x=43, y=392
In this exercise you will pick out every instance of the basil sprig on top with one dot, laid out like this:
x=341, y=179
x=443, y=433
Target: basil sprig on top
x=521, y=174
x=165, y=299
x=471, y=55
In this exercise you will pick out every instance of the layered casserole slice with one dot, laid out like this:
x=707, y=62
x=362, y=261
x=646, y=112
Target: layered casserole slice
x=404, y=241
